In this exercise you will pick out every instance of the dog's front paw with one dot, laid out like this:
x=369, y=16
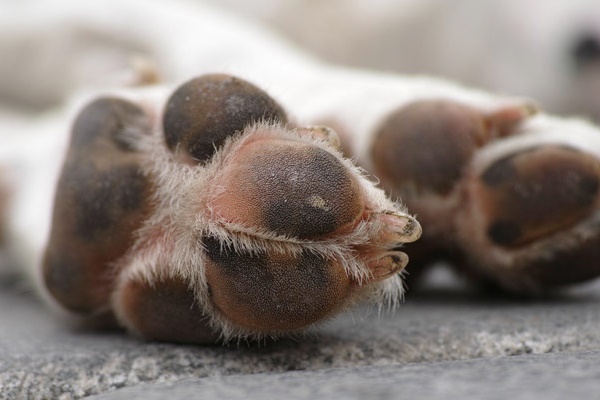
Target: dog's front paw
x=512, y=197
x=219, y=218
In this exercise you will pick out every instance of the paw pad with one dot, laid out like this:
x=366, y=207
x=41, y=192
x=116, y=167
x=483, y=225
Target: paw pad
x=165, y=310
x=232, y=224
x=533, y=193
x=205, y=111
x=515, y=209
x=290, y=188
x=101, y=199
x=274, y=292
x=427, y=145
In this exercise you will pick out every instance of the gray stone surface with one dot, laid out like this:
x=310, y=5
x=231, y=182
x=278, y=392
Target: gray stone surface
x=43, y=357
x=533, y=377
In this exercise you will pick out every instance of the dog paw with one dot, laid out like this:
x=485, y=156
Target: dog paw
x=531, y=210
x=212, y=216
x=511, y=196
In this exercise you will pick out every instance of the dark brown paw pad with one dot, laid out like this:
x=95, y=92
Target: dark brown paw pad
x=274, y=292
x=165, y=310
x=426, y=145
x=101, y=199
x=534, y=220
x=205, y=111
x=537, y=192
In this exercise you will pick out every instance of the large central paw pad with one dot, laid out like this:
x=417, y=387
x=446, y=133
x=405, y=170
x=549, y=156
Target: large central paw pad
x=290, y=188
x=222, y=219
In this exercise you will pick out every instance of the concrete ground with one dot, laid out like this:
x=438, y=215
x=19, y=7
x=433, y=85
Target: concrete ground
x=446, y=343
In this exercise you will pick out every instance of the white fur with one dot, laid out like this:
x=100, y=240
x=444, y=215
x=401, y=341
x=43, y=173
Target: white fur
x=510, y=46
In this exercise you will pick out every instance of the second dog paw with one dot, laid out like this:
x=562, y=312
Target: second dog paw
x=511, y=197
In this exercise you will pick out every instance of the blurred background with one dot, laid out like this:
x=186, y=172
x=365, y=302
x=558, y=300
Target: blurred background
x=548, y=50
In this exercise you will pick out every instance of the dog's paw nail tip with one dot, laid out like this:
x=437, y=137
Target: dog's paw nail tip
x=388, y=264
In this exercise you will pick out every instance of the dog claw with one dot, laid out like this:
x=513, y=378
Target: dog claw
x=403, y=227
x=387, y=265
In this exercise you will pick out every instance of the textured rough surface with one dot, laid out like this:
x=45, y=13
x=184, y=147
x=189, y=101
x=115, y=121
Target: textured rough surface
x=550, y=376
x=423, y=348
